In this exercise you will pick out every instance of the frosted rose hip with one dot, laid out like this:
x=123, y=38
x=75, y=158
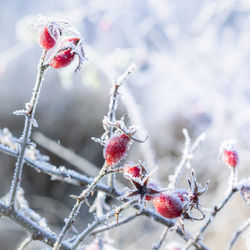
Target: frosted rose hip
x=45, y=39
x=115, y=149
x=168, y=205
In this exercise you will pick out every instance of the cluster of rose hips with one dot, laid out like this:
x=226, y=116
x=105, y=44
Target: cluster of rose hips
x=169, y=203
x=52, y=36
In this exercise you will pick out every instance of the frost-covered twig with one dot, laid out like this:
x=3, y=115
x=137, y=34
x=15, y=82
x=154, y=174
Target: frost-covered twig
x=29, y=122
x=241, y=229
x=37, y=232
x=79, y=201
x=115, y=224
x=25, y=243
x=66, y=154
x=212, y=216
x=158, y=244
x=188, y=153
x=170, y=223
x=100, y=220
x=113, y=106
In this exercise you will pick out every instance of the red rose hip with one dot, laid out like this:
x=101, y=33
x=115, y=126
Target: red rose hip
x=168, y=205
x=46, y=39
x=64, y=57
x=115, y=149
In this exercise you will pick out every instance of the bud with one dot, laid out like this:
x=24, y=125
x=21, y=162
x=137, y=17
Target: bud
x=229, y=153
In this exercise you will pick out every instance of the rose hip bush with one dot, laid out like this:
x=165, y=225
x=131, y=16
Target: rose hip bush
x=168, y=204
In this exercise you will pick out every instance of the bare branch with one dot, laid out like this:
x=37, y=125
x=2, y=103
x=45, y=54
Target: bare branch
x=188, y=154
x=29, y=122
x=115, y=224
x=25, y=243
x=157, y=245
x=64, y=153
x=79, y=201
x=212, y=216
x=100, y=220
x=237, y=234
x=37, y=232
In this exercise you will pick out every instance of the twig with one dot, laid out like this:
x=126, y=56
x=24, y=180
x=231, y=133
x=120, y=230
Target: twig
x=37, y=232
x=115, y=224
x=170, y=223
x=113, y=106
x=29, y=121
x=157, y=245
x=64, y=153
x=100, y=220
x=237, y=234
x=188, y=153
x=77, y=206
x=56, y=173
x=25, y=243
x=72, y=177
x=212, y=216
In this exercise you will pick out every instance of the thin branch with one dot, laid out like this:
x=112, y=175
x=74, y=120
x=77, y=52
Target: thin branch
x=25, y=243
x=100, y=220
x=170, y=223
x=57, y=173
x=210, y=219
x=64, y=153
x=29, y=121
x=238, y=233
x=113, y=106
x=72, y=177
x=188, y=154
x=37, y=232
x=79, y=201
x=157, y=245
x=115, y=224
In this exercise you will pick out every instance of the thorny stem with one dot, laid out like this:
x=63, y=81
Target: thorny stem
x=25, y=243
x=113, y=106
x=115, y=224
x=75, y=178
x=216, y=209
x=188, y=152
x=29, y=119
x=158, y=244
x=37, y=232
x=77, y=206
x=100, y=220
x=238, y=233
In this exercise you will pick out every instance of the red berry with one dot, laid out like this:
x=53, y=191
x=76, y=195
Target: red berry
x=181, y=194
x=116, y=148
x=230, y=157
x=65, y=57
x=46, y=40
x=168, y=205
x=134, y=171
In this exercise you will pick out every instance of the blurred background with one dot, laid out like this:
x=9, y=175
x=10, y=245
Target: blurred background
x=193, y=61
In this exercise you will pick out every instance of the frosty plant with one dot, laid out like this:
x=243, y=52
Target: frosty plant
x=48, y=35
x=172, y=205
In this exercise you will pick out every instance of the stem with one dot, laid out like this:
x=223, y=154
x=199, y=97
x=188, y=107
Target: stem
x=115, y=224
x=77, y=206
x=238, y=233
x=99, y=221
x=158, y=244
x=187, y=155
x=112, y=109
x=25, y=243
x=37, y=232
x=210, y=219
x=29, y=119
